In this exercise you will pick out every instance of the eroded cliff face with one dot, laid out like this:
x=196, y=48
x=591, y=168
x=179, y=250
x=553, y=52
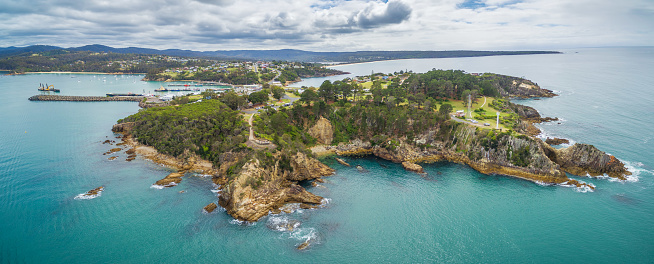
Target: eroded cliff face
x=491, y=152
x=322, y=131
x=584, y=159
x=257, y=191
x=305, y=168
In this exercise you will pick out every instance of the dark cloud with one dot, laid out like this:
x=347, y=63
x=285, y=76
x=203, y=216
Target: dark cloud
x=395, y=13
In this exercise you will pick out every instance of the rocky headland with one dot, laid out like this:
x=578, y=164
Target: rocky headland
x=254, y=191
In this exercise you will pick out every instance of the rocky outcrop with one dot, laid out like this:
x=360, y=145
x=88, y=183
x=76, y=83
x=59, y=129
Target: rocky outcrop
x=515, y=87
x=210, y=207
x=322, y=131
x=410, y=166
x=255, y=191
x=556, y=141
x=170, y=180
x=306, y=168
x=123, y=128
x=584, y=159
x=489, y=152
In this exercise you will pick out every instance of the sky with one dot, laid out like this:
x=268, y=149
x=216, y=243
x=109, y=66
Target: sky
x=329, y=25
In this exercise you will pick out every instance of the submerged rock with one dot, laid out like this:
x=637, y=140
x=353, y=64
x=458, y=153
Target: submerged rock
x=342, y=162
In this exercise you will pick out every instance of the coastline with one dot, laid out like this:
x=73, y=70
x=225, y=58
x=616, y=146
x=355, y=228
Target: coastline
x=65, y=72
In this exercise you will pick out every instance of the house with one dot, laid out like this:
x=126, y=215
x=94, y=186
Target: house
x=460, y=113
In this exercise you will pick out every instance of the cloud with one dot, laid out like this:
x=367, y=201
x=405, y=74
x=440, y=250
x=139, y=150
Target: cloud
x=328, y=24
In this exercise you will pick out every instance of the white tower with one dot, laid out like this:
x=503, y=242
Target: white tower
x=497, y=124
x=469, y=105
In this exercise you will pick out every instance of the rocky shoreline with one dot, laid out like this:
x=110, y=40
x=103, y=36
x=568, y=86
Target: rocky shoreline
x=254, y=192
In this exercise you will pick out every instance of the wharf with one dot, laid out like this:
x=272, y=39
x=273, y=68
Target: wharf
x=69, y=98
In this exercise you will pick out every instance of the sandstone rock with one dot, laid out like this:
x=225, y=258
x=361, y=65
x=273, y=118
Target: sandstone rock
x=210, y=207
x=170, y=180
x=123, y=128
x=322, y=131
x=304, y=245
x=244, y=202
x=412, y=167
x=584, y=159
x=112, y=158
x=308, y=206
x=556, y=141
x=306, y=168
x=114, y=150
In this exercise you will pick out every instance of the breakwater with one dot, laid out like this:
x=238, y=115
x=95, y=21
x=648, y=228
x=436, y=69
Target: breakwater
x=70, y=98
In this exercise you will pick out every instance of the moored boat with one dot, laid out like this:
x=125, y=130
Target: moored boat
x=47, y=88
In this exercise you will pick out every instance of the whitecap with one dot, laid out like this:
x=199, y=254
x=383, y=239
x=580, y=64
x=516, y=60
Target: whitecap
x=241, y=223
x=156, y=186
x=325, y=201
x=584, y=188
x=84, y=196
x=282, y=223
x=87, y=196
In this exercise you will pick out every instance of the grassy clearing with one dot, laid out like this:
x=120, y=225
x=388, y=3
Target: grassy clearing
x=489, y=111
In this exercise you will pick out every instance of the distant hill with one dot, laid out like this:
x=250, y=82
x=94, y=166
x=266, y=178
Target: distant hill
x=283, y=54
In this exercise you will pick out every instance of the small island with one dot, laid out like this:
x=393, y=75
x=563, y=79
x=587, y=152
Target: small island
x=259, y=159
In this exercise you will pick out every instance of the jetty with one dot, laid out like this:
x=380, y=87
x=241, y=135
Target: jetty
x=70, y=98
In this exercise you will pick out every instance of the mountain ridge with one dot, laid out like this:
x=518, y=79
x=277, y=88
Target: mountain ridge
x=279, y=54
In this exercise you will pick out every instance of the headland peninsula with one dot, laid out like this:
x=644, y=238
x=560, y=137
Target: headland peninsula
x=259, y=155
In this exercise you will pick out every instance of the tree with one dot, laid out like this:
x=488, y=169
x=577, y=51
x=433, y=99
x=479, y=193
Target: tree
x=278, y=92
x=326, y=91
x=258, y=97
x=445, y=109
x=232, y=100
x=308, y=96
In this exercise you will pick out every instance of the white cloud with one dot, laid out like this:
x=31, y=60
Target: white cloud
x=324, y=25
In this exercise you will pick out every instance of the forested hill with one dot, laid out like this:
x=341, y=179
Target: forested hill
x=283, y=54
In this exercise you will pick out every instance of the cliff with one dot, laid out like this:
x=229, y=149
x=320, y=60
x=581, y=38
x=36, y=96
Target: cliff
x=491, y=152
x=584, y=159
x=257, y=191
x=322, y=131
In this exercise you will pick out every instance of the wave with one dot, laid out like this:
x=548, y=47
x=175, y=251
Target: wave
x=242, y=223
x=282, y=223
x=87, y=196
x=159, y=187
x=584, y=188
x=636, y=168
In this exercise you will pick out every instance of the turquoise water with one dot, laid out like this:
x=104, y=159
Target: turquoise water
x=52, y=151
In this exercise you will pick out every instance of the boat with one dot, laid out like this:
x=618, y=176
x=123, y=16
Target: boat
x=47, y=88
x=162, y=89
x=123, y=94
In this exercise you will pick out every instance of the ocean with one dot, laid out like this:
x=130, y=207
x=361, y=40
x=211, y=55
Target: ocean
x=50, y=152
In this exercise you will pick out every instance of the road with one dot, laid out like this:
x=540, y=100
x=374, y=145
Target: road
x=277, y=76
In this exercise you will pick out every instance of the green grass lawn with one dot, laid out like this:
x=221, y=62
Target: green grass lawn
x=458, y=105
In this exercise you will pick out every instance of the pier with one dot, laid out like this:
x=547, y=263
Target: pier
x=69, y=98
